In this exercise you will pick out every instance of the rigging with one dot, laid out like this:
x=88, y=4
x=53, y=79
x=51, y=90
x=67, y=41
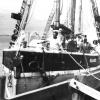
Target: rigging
x=96, y=17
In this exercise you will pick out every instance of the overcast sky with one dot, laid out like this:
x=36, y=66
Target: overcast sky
x=8, y=6
x=14, y=5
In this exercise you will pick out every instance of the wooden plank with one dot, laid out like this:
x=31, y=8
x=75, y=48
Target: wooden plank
x=85, y=89
x=57, y=91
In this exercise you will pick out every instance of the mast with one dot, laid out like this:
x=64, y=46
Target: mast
x=57, y=15
x=73, y=8
x=80, y=18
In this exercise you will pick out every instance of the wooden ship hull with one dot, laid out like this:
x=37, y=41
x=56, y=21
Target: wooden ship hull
x=45, y=74
x=38, y=82
x=34, y=61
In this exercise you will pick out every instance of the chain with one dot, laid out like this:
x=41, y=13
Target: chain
x=9, y=84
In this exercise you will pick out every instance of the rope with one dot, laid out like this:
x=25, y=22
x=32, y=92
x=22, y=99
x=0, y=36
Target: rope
x=84, y=68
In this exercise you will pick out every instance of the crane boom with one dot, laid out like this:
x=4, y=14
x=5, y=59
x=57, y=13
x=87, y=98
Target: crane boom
x=22, y=10
x=26, y=14
x=22, y=18
x=18, y=17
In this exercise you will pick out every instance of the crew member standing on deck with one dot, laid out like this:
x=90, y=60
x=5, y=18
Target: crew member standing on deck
x=56, y=40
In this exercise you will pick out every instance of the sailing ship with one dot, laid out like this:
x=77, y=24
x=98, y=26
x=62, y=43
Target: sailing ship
x=44, y=68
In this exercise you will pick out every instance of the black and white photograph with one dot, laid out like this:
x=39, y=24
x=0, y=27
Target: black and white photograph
x=49, y=49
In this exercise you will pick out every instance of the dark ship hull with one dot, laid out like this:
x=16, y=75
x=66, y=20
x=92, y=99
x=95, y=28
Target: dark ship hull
x=52, y=69
x=33, y=61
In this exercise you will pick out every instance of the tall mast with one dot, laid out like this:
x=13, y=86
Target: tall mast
x=57, y=15
x=80, y=18
x=73, y=8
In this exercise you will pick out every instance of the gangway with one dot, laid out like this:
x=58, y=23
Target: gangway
x=51, y=89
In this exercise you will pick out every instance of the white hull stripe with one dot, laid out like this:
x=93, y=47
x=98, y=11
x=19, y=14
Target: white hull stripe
x=86, y=72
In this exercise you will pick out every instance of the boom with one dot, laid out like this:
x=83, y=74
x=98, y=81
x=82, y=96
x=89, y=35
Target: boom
x=21, y=17
x=49, y=21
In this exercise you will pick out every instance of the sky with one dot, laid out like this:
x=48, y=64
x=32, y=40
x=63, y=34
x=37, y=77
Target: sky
x=7, y=6
x=41, y=11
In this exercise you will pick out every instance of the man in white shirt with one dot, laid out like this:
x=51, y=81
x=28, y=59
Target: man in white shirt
x=56, y=40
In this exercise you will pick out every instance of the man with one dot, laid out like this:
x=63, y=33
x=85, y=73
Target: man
x=56, y=40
